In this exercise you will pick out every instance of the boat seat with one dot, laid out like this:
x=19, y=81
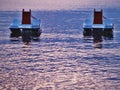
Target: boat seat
x=98, y=17
x=26, y=17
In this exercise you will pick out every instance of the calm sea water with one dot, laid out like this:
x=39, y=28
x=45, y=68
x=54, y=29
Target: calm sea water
x=62, y=59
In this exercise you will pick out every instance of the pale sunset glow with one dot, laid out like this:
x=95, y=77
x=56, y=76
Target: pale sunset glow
x=55, y=4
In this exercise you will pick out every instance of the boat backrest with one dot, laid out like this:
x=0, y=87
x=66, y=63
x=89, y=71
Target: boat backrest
x=26, y=17
x=98, y=17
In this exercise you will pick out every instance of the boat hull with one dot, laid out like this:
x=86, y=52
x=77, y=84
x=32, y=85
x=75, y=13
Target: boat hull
x=15, y=32
x=28, y=34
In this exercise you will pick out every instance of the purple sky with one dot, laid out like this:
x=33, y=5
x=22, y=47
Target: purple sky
x=55, y=4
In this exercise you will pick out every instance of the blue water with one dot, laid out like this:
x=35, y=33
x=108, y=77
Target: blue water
x=63, y=59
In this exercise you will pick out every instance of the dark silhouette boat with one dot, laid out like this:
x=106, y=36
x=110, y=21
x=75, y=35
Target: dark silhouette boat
x=29, y=27
x=98, y=25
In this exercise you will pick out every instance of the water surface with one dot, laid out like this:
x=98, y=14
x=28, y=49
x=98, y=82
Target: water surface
x=62, y=59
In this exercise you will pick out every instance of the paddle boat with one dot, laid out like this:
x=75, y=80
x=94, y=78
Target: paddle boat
x=29, y=27
x=98, y=25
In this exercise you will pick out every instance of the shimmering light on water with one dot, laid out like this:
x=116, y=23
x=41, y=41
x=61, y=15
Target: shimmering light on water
x=63, y=59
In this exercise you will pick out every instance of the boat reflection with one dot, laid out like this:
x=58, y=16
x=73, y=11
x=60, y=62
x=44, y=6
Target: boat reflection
x=97, y=38
x=26, y=36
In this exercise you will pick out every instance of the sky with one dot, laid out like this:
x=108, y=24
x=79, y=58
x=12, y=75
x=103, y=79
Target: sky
x=56, y=4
